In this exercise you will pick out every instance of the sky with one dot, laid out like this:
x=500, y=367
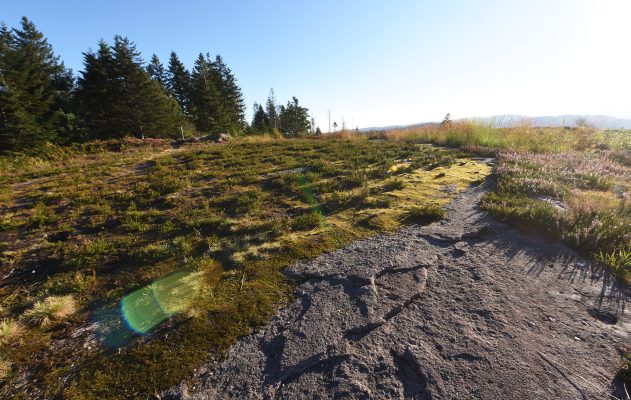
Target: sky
x=376, y=63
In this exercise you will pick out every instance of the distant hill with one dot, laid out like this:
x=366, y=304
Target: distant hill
x=596, y=121
x=507, y=120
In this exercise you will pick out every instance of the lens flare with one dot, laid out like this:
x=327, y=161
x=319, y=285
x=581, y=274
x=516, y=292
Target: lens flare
x=147, y=307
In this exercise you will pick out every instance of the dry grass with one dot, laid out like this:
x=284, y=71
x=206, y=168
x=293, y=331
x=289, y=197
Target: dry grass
x=485, y=138
x=53, y=308
x=10, y=331
x=5, y=368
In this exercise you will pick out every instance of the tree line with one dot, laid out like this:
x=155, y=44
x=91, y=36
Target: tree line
x=292, y=119
x=117, y=94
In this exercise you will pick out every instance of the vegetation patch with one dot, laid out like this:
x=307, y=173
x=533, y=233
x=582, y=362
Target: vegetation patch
x=424, y=214
x=10, y=331
x=51, y=309
x=203, y=231
x=624, y=373
x=579, y=197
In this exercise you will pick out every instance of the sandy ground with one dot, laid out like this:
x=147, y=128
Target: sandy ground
x=464, y=308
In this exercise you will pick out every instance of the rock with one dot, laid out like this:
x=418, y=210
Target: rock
x=215, y=138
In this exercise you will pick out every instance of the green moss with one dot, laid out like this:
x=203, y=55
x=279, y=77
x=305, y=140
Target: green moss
x=255, y=208
x=307, y=221
x=380, y=222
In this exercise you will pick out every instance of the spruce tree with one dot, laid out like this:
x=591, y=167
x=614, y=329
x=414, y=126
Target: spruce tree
x=156, y=71
x=9, y=102
x=117, y=97
x=205, y=98
x=35, y=85
x=132, y=89
x=294, y=119
x=143, y=108
x=271, y=111
x=178, y=83
x=446, y=123
x=96, y=92
x=232, y=98
x=260, y=123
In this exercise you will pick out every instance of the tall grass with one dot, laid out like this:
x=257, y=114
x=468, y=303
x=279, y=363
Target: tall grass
x=486, y=137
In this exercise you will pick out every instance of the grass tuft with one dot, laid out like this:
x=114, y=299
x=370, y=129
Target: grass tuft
x=619, y=260
x=52, y=309
x=5, y=368
x=10, y=331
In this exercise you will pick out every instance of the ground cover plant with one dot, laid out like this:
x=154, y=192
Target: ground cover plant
x=125, y=268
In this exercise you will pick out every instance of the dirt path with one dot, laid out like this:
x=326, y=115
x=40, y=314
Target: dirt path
x=465, y=308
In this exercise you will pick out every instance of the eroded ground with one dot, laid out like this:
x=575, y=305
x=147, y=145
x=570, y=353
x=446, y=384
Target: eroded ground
x=463, y=308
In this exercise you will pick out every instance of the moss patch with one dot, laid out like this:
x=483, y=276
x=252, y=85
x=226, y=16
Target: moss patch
x=232, y=216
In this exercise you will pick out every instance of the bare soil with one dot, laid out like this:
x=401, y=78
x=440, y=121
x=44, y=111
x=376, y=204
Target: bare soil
x=463, y=308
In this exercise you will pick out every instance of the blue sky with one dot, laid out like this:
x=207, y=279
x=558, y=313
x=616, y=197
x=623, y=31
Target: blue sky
x=375, y=63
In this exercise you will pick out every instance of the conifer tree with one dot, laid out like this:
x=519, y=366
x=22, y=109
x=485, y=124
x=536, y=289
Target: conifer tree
x=96, y=91
x=446, y=123
x=35, y=84
x=116, y=96
x=9, y=102
x=271, y=111
x=231, y=96
x=294, y=119
x=260, y=123
x=178, y=83
x=156, y=71
x=205, y=98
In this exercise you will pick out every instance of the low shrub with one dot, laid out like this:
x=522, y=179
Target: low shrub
x=394, y=184
x=68, y=283
x=619, y=260
x=352, y=181
x=306, y=221
x=424, y=214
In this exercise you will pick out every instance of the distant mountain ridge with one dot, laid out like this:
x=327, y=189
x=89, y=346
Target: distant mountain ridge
x=508, y=120
x=596, y=121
